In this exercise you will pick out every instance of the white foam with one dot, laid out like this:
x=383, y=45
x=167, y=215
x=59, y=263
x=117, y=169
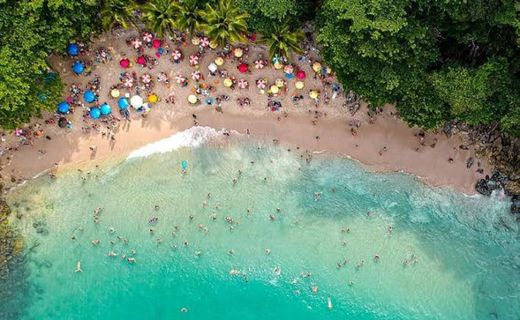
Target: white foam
x=192, y=137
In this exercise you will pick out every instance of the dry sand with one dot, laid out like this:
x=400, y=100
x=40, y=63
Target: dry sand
x=386, y=144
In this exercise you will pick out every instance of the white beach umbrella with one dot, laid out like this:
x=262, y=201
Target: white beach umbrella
x=212, y=67
x=136, y=101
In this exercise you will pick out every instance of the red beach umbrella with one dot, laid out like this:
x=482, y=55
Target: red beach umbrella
x=156, y=43
x=124, y=63
x=243, y=68
x=300, y=74
x=141, y=60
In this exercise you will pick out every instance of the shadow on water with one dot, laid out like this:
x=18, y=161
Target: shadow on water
x=440, y=219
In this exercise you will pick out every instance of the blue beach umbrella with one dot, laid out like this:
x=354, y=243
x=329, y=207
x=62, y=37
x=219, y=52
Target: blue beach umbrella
x=63, y=107
x=105, y=109
x=184, y=164
x=89, y=96
x=78, y=67
x=95, y=113
x=73, y=49
x=123, y=103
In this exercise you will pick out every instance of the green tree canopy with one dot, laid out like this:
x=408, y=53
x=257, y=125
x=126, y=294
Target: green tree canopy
x=436, y=60
x=224, y=23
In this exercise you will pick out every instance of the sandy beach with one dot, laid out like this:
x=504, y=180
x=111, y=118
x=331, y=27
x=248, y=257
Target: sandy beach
x=382, y=141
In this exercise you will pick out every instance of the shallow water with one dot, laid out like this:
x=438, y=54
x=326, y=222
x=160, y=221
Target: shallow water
x=442, y=255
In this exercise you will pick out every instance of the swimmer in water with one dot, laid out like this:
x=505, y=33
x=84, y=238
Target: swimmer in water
x=184, y=309
x=213, y=216
x=231, y=252
x=272, y=218
x=131, y=260
x=314, y=289
x=198, y=253
x=267, y=251
x=78, y=267
x=111, y=230
x=112, y=254
x=95, y=242
x=317, y=196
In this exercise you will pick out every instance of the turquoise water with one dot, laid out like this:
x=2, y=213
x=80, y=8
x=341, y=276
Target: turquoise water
x=442, y=255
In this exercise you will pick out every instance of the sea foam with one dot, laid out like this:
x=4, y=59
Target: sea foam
x=192, y=137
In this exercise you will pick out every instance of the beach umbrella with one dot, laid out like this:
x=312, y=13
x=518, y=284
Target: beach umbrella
x=179, y=79
x=242, y=84
x=280, y=83
x=194, y=60
x=63, y=107
x=156, y=43
x=136, y=43
x=276, y=59
x=115, y=93
x=105, y=109
x=212, y=67
x=316, y=66
x=213, y=45
x=153, y=98
x=259, y=64
x=128, y=82
x=204, y=42
x=238, y=52
x=313, y=94
x=278, y=65
x=192, y=99
x=274, y=89
x=136, y=101
x=123, y=103
x=162, y=77
x=141, y=60
x=228, y=82
x=219, y=61
x=299, y=85
x=146, y=78
x=261, y=84
x=147, y=37
x=176, y=55
x=73, y=49
x=89, y=96
x=288, y=69
x=243, y=68
x=95, y=113
x=62, y=122
x=195, y=41
x=124, y=63
x=78, y=67
x=300, y=74
x=196, y=75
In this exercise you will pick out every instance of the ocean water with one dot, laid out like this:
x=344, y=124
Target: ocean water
x=254, y=231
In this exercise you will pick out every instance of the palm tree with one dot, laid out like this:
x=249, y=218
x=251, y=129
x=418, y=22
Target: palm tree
x=158, y=15
x=224, y=23
x=188, y=18
x=117, y=13
x=282, y=41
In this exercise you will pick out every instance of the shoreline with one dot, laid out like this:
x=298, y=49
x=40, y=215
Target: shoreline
x=294, y=132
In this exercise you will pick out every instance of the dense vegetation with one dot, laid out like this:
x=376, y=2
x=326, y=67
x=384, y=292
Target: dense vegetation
x=436, y=60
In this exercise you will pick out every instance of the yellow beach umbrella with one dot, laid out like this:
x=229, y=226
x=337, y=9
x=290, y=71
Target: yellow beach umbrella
x=115, y=93
x=238, y=52
x=228, y=82
x=192, y=99
x=279, y=83
x=278, y=65
x=313, y=94
x=274, y=89
x=316, y=66
x=153, y=98
x=299, y=85
x=195, y=41
x=219, y=61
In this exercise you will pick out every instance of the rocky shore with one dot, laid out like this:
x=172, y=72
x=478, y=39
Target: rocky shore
x=504, y=154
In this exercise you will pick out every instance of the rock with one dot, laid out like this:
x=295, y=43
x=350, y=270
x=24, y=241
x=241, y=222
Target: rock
x=482, y=187
x=469, y=163
x=515, y=205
